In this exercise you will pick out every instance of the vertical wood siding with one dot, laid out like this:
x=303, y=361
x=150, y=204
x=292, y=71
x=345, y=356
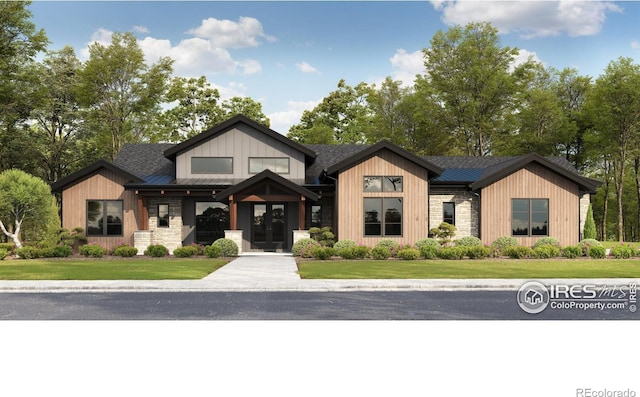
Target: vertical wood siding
x=241, y=143
x=350, y=195
x=104, y=185
x=532, y=182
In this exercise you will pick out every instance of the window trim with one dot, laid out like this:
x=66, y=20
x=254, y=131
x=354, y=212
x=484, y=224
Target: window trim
x=530, y=217
x=269, y=158
x=382, y=183
x=383, y=222
x=210, y=157
x=453, y=205
x=168, y=225
x=105, y=225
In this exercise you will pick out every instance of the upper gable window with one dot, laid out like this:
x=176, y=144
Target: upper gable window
x=279, y=165
x=212, y=165
x=382, y=184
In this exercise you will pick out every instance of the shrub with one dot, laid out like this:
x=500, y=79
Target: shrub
x=380, y=253
x=125, y=251
x=429, y=251
x=322, y=253
x=199, y=248
x=427, y=242
x=227, y=246
x=408, y=254
x=362, y=251
x=597, y=252
x=3, y=253
x=324, y=236
x=571, y=251
x=518, y=252
x=156, y=251
x=212, y=251
x=623, y=251
x=347, y=253
x=502, y=243
x=469, y=241
x=46, y=252
x=62, y=251
x=9, y=247
x=452, y=253
x=306, y=245
x=478, y=252
x=28, y=252
x=392, y=245
x=589, y=230
x=92, y=250
x=444, y=232
x=586, y=244
x=344, y=244
x=185, y=252
x=545, y=241
x=546, y=251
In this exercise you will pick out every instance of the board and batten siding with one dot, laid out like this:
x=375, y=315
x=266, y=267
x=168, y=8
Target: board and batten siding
x=532, y=182
x=241, y=143
x=104, y=185
x=350, y=195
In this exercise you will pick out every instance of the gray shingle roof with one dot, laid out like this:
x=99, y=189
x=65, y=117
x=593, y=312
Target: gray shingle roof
x=147, y=161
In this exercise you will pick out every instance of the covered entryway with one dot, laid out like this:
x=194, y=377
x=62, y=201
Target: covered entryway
x=269, y=227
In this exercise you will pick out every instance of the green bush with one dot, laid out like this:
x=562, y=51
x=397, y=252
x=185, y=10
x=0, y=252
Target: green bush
x=518, y=252
x=46, y=252
x=545, y=241
x=586, y=244
x=546, y=251
x=125, y=251
x=427, y=242
x=3, y=253
x=324, y=236
x=452, y=253
x=444, y=232
x=347, y=253
x=478, y=252
x=156, y=251
x=92, y=250
x=469, y=241
x=185, y=252
x=589, y=230
x=304, y=246
x=322, y=253
x=9, y=247
x=340, y=244
x=392, y=245
x=212, y=251
x=571, y=251
x=408, y=254
x=380, y=253
x=429, y=251
x=597, y=252
x=623, y=252
x=227, y=246
x=28, y=252
x=362, y=251
x=502, y=243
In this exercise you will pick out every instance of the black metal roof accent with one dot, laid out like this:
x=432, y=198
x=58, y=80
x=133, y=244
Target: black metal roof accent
x=86, y=172
x=272, y=176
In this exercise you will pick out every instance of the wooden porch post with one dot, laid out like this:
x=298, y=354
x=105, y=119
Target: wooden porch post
x=143, y=213
x=302, y=212
x=233, y=213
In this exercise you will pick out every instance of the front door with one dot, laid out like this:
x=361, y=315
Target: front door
x=269, y=227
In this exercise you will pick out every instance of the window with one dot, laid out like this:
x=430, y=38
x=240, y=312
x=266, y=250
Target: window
x=212, y=219
x=163, y=215
x=383, y=216
x=316, y=216
x=212, y=165
x=530, y=217
x=382, y=184
x=279, y=165
x=449, y=213
x=104, y=218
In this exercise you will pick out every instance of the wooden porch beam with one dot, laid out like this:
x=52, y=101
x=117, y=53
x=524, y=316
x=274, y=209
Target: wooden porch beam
x=143, y=213
x=233, y=213
x=301, y=212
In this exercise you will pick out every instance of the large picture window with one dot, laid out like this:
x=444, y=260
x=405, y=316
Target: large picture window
x=382, y=184
x=279, y=165
x=530, y=217
x=212, y=165
x=382, y=216
x=104, y=218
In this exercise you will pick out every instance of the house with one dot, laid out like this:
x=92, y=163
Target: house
x=249, y=183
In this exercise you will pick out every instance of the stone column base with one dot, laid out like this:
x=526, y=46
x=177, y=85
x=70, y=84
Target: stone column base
x=142, y=240
x=236, y=236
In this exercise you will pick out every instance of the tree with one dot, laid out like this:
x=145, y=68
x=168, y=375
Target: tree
x=247, y=107
x=26, y=202
x=589, y=225
x=474, y=80
x=122, y=93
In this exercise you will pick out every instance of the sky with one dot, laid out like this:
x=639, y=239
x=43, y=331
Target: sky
x=289, y=55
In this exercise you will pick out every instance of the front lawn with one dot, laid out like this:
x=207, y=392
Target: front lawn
x=488, y=268
x=109, y=269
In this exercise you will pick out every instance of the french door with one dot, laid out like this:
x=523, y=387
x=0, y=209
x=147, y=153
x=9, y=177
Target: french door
x=269, y=226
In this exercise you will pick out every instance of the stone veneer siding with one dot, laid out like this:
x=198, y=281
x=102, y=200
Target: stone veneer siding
x=466, y=210
x=170, y=237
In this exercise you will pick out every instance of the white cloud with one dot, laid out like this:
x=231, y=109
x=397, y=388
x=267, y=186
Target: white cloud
x=140, y=29
x=407, y=65
x=531, y=18
x=229, y=34
x=306, y=68
x=282, y=121
x=523, y=56
x=635, y=44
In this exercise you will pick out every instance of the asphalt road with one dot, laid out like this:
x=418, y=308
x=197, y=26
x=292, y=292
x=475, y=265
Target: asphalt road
x=381, y=305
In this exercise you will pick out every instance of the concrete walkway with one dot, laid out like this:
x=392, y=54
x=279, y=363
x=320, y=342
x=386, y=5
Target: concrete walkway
x=279, y=273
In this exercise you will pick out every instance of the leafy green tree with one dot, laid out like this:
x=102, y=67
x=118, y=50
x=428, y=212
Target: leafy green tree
x=122, y=93
x=390, y=119
x=589, y=225
x=26, y=203
x=245, y=106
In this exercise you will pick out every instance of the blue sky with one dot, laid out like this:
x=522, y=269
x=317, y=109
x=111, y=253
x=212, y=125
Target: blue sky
x=289, y=55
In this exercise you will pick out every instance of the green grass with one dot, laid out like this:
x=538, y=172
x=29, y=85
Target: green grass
x=489, y=268
x=108, y=269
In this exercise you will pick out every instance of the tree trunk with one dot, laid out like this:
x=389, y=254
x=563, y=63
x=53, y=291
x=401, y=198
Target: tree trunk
x=605, y=210
x=15, y=236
